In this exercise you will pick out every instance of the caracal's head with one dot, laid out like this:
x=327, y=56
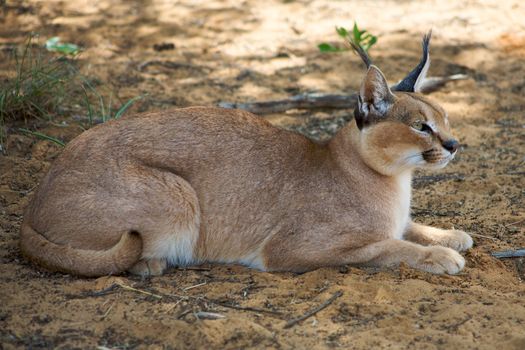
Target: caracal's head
x=399, y=128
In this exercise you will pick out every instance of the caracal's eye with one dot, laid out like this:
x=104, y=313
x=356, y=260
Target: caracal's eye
x=421, y=126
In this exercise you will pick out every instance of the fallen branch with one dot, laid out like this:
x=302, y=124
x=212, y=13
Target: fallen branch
x=431, y=84
x=312, y=312
x=305, y=101
x=518, y=253
x=318, y=100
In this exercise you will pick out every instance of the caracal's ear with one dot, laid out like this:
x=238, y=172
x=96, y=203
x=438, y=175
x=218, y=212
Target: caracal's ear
x=374, y=99
x=413, y=82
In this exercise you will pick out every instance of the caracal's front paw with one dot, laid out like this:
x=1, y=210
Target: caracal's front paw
x=152, y=267
x=441, y=260
x=457, y=240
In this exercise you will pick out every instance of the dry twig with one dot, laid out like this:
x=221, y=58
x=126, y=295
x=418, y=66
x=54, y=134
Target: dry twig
x=227, y=304
x=483, y=236
x=245, y=308
x=123, y=286
x=515, y=223
x=455, y=326
x=312, y=312
x=195, y=286
x=107, y=311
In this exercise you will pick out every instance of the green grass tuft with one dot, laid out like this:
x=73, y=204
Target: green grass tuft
x=45, y=86
x=42, y=136
x=101, y=110
x=37, y=88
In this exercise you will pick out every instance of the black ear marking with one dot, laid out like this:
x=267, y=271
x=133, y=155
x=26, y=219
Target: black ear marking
x=413, y=81
x=358, y=113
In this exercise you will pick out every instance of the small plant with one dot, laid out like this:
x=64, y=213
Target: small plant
x=102, y=110
x=359, y=37
x=55, y=45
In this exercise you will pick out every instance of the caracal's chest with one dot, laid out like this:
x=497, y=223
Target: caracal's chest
x=401, y=211
x=382, y=211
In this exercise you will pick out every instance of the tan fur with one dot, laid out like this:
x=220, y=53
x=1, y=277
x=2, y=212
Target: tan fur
x=214, y=185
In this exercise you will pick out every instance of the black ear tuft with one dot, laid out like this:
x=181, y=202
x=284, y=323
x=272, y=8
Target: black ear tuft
x=414, y=80
x=362, y=53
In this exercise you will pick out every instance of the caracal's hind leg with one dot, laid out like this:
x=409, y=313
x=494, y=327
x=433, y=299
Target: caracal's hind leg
x=164, y=210
x=427, y=235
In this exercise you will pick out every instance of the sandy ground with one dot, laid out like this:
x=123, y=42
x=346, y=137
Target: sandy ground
x=254, y=50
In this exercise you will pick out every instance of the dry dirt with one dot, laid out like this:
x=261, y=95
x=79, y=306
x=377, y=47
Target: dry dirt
x=255, y=50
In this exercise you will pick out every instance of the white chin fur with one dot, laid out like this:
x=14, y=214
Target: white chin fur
x=441, y=164
x=415, y=160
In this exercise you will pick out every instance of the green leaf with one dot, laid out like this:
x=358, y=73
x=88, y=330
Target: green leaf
x=357, y=33
x=325, y=47
x=52, y=42
x=342, y=32
x=55, y=45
